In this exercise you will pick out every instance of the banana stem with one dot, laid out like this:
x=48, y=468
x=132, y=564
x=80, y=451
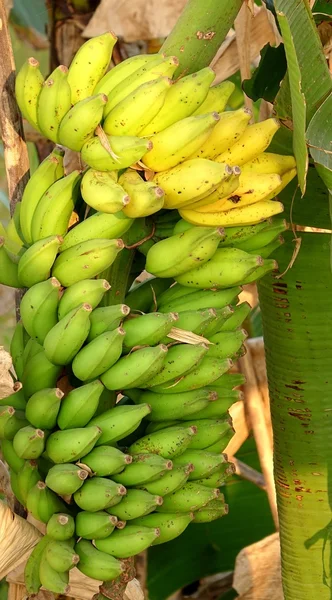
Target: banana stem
x=199, y=33
x=114, y=590
x=118, y=277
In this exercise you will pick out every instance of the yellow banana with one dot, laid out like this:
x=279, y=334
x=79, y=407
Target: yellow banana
x=248, y=215
x=101, y=191
x=89, y=65
x=181, y=101
x=268, y=162
x=176, y=143
x=285, y=179
x=227, y=187
x=80, y=122
x=54, y=102
x=121, y=71
x=228, y=129
x=217, y=98
x=146, y=197
x=254, y=141
x=28, y=85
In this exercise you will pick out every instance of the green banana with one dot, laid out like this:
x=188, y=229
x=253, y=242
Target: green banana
x=8, y=268
x=158, y=425
x=99, y=355
x=176, y=406
x=170, y=525
x=60, y=527
x=126, y=149
x=28, y=85
x=209, y=432
x=80, y=405
x=135, y=369
x=14, y=486
x=47, y=173
x=235, y=236
x=90, y=291
x=169, y=482
x=141, y=296
x=180, y=359
x=144, y=468
x=106, y=318
x=226, y=343
x=217, y=409
x=106, y=460
x=85, y=260
x=42, y=408
x=39, y=307
x=99, y=225
x=147, y=329
x=11, y=421
x=79, y=123
x=43, y=503
x=39, y=373
x=54, y=101
x=190, y=497
x=61, y=556
x=264, y=236
x=13, y=230
x=70, y=445
x=268, y=266
x=175, y=292
x=94, y=525
x=65, y=479
x=228, y=382
x=17, y=399
x=96, y=564
x=31, y=349
x=36, y=263
x=182, y=100
x=135, y=111
x=14, y=462
x=204, y=374
x=50, y=579
x=65, y=339
x=17, y=344
x=205, y=463
x=99, y=493
x=218, y=478
x=118, y=422
x=222, y=443
x=121, y=72
x=55, y=207
x=196, y=321
x=31, y=569
x=129, y=541
x=27, y=477
x=216, y=98
x=267, y=250
x=146, y=198
x=29, y=443
x=202, y=299
x=233, y=321
x=207, y=514
x=136, y=503
x=168, y=443
x=102, y=192
x=228, y=267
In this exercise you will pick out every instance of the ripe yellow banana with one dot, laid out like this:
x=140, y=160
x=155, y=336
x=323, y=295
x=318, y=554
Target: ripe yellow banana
x=146, y=197
x=254, y=141
x=268, y=162
x=226, y=188
x=227, y=131
x=285, y=179
x=28, y=85
x=121, y=71
x=181, y=101
x=217, y=98
x=248, y=215
x=54, y=102
x=176, y=143
x=80, y=122
x=89, y=65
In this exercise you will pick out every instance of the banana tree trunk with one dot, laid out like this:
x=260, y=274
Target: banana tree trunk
x=297, y=319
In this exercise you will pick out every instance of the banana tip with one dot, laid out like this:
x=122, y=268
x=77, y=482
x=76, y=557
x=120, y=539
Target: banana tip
x=33, y=62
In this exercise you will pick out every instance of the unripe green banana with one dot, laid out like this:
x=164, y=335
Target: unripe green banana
x=209, y=431
x=176, y=406
x=65, y=479
x=8, y=268
x=14, y=486
x=39, y=373
x=80, y=405
x=121, y=71
x=118, y=422
x=106, y=460
x=16, y=399
x=144, y=468
x=31, y=349
x=266, y=251
x=65, y=339
x=226, y=343
x=202, y=299
x=31, y=570
x=207, y=514
x=146, y=198
x=106, y=318
x=39, y=307
x=190, y=497
x=89, y=65
x=28, y=85
x=222, y=443
x=195, y=321
x=61, y=527
x=43, y=407
x=228, y=382
x=80, y=122
x=70, y=445
x=141, y=296
x=128, y=541
x=100, y=225
x=182, y=100
x=61, y=556
x=264, y=236
x=217, y=98
x=217, y=409
x=170, y=525
x=147, y=329
x=94, y=525
x=96, y=564
x=9, y=455
x=174, y=292
x=11, y=421
x=52, y=580
x=168, y=442
x=29, y=443
x=127, y=149
x=205, y=463
x=101, y=191
x=85, y=260
x=54, y=101
x=36, y=263
x=90, y=291
x=232, y=322
x=136, y=503
x=17, y=345
x=99, y=355
x=218, y=478
x=48, y=172
x=13, y=231
x=158, y=425
x=205, y=373
x=259, y=272
x=135, y=111
x=43, y=503
x=170, y=481
x=27, y=477
x=99, y=493
x=180, y=359
x=55, y=207
x=135, y=369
